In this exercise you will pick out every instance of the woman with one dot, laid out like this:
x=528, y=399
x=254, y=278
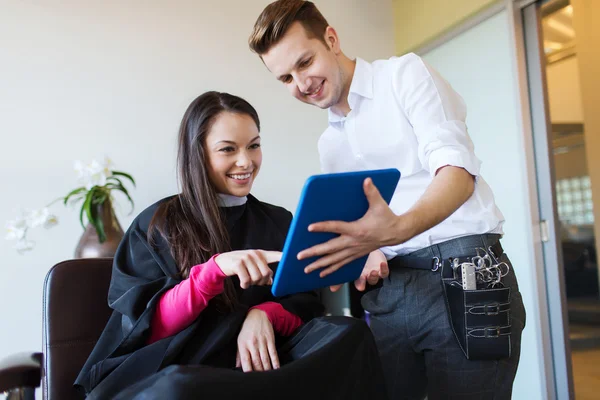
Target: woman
x=190, y=278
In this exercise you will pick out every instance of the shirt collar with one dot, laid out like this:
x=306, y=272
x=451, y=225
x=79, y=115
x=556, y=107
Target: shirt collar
x=227, y=200
x=361, y=86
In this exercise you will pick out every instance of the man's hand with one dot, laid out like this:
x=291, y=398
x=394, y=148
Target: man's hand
x=376, y=268
x=380, y=227
x=256, y=344
x=377, y=228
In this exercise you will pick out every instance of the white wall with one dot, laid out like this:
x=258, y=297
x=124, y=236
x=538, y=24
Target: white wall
x=81, y=79
x=479, y=65
x=564, y=91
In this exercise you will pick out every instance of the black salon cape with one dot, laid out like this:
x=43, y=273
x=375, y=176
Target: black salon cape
x=199, y=361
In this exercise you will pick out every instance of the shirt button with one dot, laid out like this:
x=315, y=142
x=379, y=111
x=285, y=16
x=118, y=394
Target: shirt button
x=359, y=156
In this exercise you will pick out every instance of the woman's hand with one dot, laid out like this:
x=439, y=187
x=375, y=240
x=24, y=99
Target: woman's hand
x=251, y=266
x=256, y=344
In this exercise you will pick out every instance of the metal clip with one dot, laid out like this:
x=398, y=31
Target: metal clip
x=436, y=264
x=455, y=265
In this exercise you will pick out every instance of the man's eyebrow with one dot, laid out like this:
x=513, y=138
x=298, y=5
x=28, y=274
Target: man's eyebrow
x=297, y=64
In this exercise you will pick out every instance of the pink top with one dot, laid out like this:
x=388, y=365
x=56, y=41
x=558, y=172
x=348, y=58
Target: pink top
x=180, y=306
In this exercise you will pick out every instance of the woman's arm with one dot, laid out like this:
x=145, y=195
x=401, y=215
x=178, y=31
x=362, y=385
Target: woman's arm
x=284, y=322
x=180, y=306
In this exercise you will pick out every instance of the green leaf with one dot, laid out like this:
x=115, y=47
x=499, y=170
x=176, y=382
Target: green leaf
x=86, y=207
x=101, y=197
x=119, y=173
x=77, y=198
x=126, y=193
x=73, y=193
x=81, y=216
x=98, y=224
x=119, y=182
x=90, y=211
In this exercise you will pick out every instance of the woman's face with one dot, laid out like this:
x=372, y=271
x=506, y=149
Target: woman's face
x=233, y=153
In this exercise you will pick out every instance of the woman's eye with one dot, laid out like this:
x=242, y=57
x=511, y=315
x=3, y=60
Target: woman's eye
x=227, y=149
x=255, y=146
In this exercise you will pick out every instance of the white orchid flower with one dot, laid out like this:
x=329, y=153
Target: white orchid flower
x=93, y=174
x=37, y=218
x=16, y=229
x=79, y=168
x=51, y=220
x=89, y=175
x=24, y=245
x=108, y=166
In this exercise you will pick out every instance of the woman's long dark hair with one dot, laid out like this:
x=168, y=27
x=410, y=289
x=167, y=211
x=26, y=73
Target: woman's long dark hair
x=192, y=222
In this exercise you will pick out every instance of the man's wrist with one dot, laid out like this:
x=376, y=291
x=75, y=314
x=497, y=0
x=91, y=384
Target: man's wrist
x=405, y=228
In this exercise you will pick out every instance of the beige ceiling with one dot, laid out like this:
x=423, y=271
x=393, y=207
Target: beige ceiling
x=558, y=30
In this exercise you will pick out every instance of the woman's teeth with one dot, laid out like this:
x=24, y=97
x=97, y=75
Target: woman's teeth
x=240, y=177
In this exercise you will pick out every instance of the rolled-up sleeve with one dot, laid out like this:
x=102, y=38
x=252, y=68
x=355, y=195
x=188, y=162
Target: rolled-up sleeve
x=437, y=114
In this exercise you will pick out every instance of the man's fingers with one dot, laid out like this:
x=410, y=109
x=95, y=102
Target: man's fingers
x=339, y=264
x=335, y=288
x=372, y=193
x=238, y=360
x=373, y=278
x=331, y=246
x=339, y=227
x=328, y=260
x=360, y=283
x=384, y=269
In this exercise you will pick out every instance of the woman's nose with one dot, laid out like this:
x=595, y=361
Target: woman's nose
x=243, y=160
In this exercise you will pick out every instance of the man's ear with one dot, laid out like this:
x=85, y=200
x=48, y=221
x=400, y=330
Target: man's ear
x=332, y=40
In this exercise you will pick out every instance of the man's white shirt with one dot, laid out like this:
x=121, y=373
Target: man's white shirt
x=404, y=115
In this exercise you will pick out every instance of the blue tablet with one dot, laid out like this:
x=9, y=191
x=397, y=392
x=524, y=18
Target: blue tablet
x=327, y=197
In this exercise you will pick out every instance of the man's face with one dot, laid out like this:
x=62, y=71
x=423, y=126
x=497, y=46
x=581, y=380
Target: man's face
x=307, y=67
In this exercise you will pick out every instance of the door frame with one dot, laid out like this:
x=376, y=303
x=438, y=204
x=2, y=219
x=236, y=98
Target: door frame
x=529, y=69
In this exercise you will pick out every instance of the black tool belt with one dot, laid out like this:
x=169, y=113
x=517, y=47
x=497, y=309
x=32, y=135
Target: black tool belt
x=479, y=312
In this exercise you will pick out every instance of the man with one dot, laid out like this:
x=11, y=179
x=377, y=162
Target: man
x=397, y=113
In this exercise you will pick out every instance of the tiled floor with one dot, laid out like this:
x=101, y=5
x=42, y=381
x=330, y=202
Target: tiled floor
x=586, y=374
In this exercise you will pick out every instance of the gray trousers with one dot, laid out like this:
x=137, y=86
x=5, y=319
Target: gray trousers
x=419, y=352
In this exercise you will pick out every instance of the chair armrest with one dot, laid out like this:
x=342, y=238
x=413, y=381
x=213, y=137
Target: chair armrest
x=22, y=370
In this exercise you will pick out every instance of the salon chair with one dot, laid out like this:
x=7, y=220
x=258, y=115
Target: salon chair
x=75, y=311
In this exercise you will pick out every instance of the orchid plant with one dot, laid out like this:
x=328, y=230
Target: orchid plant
x=98, y=180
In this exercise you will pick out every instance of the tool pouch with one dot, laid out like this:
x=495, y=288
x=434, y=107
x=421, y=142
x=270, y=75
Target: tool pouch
x=480, y=319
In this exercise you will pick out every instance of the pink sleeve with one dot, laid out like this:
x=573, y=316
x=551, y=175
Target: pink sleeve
x=180, y=306
x=284, y=322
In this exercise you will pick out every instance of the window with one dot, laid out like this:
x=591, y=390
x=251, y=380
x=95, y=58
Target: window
x=574, y=198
